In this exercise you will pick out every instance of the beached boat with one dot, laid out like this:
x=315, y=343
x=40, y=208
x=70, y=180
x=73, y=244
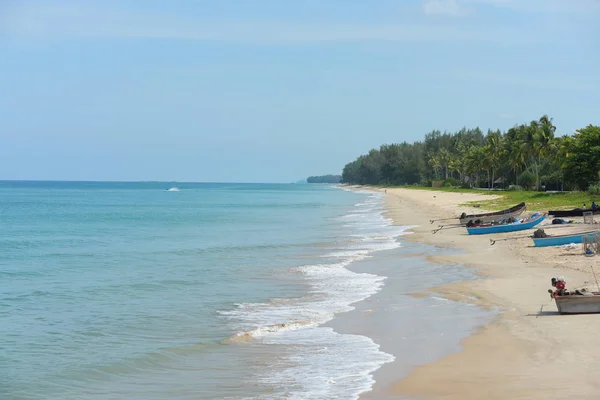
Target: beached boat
x=486, y=218
x=588, y=303
x=560, y=240
x=483, y=229
x=576, y=212
x=580, y=301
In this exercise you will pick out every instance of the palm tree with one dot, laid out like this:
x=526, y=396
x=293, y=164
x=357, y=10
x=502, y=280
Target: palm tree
x=458, y=162
x=444, y=158
x=435, y=163
x=516, y=158
x=494, y=151
x=475, y=160
x=543, y=142
x=563, y=146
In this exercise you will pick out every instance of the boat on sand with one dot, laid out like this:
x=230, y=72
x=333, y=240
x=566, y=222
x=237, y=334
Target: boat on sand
x=510, y=225
x=489, y=217
x=579, y=301
x=576, y=212
x=560, y=240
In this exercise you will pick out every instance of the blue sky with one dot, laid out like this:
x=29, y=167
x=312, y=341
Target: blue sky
x=273, y=90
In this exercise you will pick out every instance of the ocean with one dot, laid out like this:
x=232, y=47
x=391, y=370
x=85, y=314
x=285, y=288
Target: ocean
x=205, y=291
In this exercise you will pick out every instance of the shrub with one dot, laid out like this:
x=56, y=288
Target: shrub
x=451, y=182
x=527, y=180
x=594, y=189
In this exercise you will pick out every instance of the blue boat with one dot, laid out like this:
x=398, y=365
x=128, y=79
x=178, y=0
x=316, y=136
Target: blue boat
x=507, y=227
x=561, y=240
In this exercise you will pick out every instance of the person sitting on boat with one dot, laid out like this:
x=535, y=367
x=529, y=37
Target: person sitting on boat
x=560, y=285
x=584, y=207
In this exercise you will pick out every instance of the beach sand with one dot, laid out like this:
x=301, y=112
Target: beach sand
x=529, y=351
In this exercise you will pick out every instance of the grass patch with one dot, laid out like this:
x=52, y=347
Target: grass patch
x=538, y=201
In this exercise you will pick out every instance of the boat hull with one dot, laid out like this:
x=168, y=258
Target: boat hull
x=577, y=304
x=561, y=240
x=514, y=227
x=571, y=213
x=487, y=218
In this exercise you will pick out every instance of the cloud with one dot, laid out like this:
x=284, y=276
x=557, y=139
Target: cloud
x=66, y=21
x=468, y=7
x=444, y=7
x=583, y=7
x=43, y=21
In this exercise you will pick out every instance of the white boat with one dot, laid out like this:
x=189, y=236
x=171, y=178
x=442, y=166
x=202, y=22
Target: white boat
x=173, y=189
x=579, y=301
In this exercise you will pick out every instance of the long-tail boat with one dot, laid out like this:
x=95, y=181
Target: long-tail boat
x=508, y=226
x=488, y=217
x=560, y=240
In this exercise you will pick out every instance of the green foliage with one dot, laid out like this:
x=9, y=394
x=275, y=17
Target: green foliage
x=537, y=201
x=324, y=179
x=582, y=162
x=527, y=180
x=528, y=155
x=450, y=182
x=594, y=189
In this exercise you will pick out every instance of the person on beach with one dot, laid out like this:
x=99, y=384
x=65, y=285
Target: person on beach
x=594, y=205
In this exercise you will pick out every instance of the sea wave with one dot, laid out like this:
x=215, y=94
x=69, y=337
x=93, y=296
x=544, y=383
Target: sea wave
x=325, y=364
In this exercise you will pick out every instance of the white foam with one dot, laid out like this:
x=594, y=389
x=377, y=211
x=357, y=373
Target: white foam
x=326, y=364
x=332, y=365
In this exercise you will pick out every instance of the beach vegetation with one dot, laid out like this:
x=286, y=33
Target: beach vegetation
x=594, y=189
x=527, y=180
x=324, y=179
x=530, y=156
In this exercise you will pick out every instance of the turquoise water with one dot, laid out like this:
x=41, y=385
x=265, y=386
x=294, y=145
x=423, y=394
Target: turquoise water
x=130, y=291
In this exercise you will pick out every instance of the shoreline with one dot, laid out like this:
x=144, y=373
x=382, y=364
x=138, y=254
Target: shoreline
x=521, y=353
x=387, y=317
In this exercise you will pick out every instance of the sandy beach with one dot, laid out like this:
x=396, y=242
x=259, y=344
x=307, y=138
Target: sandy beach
x=529, y=351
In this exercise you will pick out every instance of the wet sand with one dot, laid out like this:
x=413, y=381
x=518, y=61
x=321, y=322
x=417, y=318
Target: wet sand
x=530, y=351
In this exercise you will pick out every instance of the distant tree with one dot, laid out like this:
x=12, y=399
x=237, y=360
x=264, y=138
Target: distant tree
x=324, y=179
x=529, y=148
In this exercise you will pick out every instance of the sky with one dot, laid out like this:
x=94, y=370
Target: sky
x=273, y=90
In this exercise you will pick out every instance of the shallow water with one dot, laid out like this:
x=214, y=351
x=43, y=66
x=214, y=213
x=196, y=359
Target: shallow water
x=130, y=290
x=415, y=329
x=127, y=290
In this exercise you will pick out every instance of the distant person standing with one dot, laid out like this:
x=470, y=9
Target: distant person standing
x=584, y=207
x=594, y=205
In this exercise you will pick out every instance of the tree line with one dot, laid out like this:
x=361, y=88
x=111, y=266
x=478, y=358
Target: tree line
x=324, y=179
x=529, y=156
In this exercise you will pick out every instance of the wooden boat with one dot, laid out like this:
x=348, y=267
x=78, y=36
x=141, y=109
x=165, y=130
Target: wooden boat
x=514, y=211
x=588, y=303
x=528, y=223
x=560, y=240
x=576, y=212
x=580, y=301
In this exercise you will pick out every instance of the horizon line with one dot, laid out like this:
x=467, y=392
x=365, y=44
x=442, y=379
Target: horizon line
x=143, y=181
